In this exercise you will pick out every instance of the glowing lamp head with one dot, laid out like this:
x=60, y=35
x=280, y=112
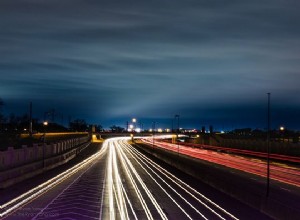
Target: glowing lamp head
x=281, y=128
x=45, y=123
x=134, y=120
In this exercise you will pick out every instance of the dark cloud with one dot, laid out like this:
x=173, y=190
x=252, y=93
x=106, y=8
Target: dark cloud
x=104, y=59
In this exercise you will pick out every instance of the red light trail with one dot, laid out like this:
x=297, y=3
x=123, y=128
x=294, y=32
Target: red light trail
x=279, y=172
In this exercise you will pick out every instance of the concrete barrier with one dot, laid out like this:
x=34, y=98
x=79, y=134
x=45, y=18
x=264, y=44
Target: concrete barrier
x=17, y=165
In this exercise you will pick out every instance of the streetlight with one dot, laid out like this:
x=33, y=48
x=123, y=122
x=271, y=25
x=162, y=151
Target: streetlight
x=133, y=126
x=177, y=116
x=45, y=123
x=281, y=129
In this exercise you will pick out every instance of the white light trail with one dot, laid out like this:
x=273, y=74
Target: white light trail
x=137, y=191
x=141, y=182
x=176, y=180
x=110, y=183
x=32, y=194
x=165, y=191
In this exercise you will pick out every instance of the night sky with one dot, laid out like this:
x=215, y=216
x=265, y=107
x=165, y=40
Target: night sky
x=210, y=61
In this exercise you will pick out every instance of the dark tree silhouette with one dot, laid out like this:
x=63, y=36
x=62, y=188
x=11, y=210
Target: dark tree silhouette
x=117, y=129
x=78, y=125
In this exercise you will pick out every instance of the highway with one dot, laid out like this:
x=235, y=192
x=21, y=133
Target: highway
x=119, y=182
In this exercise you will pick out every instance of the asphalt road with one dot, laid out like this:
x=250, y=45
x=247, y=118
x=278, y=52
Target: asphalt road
x=119, y=182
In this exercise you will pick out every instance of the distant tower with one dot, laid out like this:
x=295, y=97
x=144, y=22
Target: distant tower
x=203, y=129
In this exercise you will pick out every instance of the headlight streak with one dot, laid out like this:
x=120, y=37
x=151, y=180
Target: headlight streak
x=32, y=194
x=117, y=201
x=121, y=202
x=126, y=196
x=148, y=192
x=110, y=183
x=163, y=189
x=175, y=180
x=52, y=201
x=139, y=194
x=113, y=178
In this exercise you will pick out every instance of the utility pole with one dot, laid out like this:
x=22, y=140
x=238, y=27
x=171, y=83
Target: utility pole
x=1, y=116
x=268, y=144
x=30, y=119
x=177, y=133
x=153, y=133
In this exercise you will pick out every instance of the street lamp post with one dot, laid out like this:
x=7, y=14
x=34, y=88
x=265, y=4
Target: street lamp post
x=45, y=123
x=133, y=127
x=281, y=131
x=177, y=132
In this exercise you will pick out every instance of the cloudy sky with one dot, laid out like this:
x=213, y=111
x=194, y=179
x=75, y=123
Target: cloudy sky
x=211, y=61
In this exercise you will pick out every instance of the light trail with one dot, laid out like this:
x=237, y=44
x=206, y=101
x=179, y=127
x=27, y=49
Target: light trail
x=165, y=191
x=113, y=178
x=149, y=194
x=143, y=159
x=245, y=152
x=137, y=190
x=123, y=152
x=34, y=193
x=287, y=175
x=110, y=183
